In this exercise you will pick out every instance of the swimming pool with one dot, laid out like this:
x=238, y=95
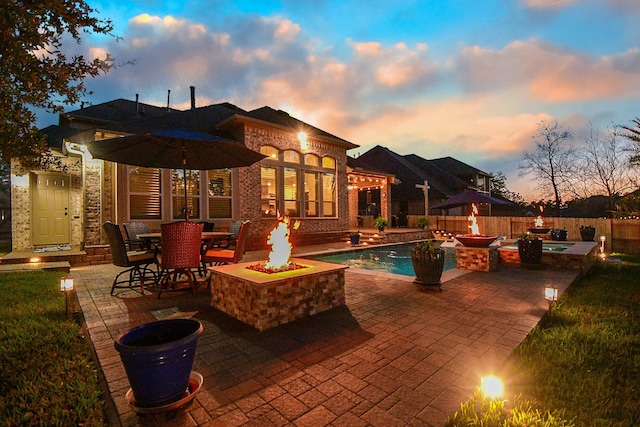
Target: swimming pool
x=547, y=246
x=394, y=259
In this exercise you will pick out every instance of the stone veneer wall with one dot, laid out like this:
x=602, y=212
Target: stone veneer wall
x=250, y=190
x=264, y=306
x=556, y=260
x=477, y=259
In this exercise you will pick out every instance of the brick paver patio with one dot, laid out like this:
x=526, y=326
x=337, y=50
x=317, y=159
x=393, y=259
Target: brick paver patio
x=393, y=356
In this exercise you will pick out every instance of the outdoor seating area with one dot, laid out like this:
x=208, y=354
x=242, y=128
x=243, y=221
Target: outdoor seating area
x=369, y=361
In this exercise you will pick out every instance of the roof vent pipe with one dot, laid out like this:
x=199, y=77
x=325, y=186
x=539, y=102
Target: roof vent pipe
x=193, y=97
x=137, y=106
x=168, y=99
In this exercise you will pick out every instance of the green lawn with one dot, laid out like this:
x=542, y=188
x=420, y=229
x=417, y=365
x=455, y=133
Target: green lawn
x=580, y=366
x=47, y=375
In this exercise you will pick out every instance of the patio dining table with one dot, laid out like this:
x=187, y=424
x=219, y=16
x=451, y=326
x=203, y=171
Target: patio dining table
x=206, y=236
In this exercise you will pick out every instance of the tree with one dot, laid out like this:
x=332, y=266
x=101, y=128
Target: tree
x=35, y=72
x=499, y=189
x=634, y=135
x=552, y=164
x=605, y=166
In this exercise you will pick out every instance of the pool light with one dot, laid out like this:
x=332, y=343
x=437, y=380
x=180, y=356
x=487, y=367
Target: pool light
x=491, y=387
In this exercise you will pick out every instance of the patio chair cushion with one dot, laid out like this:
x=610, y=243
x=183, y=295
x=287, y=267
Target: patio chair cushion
x=226, y=256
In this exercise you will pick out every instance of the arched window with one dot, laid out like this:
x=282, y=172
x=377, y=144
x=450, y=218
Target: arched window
x=297, y=185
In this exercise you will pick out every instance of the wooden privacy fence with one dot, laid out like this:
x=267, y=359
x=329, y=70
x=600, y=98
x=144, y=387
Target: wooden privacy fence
x=621, y=235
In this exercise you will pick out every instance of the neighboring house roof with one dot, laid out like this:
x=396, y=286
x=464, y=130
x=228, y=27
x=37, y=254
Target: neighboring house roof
x=412, y=170
x=456, y=167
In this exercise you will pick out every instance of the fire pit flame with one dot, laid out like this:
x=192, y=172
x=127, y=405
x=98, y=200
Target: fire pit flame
x=280, y=255
x=475, y=230
x=539, y=222
x=475, y=239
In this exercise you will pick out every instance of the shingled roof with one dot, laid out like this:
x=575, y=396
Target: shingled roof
x=411, y=170
x=117, y=111
x=130, y=117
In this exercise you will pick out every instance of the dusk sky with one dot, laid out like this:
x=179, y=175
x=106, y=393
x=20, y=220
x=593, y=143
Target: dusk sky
x=469, y=79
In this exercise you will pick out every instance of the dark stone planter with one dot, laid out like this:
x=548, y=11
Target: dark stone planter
x=381, y=229
x=587, y=234
x=428, y=267
x=559, y=235
x=355, y=239
x=530, y=252
x=158, y=358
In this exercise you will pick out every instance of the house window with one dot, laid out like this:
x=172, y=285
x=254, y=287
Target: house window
x=311, y=194
x=219, y=193
x=291, y=195
x=145, y=200
x=269, y=191
x=288, y=182
x=329, y=195
x=177, y=193
x=311, y=160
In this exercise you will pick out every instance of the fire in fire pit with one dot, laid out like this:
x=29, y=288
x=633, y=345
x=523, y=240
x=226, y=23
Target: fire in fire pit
x=475, y=239
x=280, y=255
x=539, y=227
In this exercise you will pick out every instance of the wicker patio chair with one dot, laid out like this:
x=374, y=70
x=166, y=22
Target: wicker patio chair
x=133, y=229
x=217, y=256
x=137, y=261
x=180, y=255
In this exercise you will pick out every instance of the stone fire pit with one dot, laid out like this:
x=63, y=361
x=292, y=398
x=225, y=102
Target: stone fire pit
x=264, y=300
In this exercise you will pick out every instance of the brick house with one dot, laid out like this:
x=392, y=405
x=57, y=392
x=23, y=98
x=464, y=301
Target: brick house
x=303, y=176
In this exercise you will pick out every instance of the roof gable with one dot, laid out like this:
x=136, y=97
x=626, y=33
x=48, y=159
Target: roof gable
x=282, y=119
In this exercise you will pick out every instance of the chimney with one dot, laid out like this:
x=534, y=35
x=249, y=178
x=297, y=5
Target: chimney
x=168, y=99
x=137, y=106
x=193, y=97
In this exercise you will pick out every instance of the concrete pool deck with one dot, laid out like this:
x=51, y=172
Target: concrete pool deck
x=392, y=356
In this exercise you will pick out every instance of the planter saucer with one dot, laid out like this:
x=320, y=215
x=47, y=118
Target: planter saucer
x=195, y=384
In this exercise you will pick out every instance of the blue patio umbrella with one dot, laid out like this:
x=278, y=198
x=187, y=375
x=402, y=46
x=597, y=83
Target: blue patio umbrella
x=175, y=149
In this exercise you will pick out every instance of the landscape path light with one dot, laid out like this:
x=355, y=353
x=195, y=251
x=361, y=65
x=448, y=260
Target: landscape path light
x=66, y=286
x=551, y=294
x=492, y=387
x=602, y=246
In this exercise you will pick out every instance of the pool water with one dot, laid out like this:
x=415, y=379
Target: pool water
x=547, y=246
x=394, y=259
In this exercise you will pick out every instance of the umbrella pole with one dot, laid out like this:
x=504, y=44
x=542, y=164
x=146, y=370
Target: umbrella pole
x=184, y=178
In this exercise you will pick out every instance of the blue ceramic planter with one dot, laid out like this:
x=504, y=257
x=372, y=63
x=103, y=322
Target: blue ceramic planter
x=158, y=358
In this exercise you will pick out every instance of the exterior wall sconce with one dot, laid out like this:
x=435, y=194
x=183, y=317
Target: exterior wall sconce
x=551, y=295
x=304, y=143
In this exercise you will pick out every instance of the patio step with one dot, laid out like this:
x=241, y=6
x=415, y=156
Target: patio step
x=32, y=266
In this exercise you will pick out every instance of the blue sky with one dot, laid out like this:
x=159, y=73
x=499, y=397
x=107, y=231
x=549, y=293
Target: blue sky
x=463, y=78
